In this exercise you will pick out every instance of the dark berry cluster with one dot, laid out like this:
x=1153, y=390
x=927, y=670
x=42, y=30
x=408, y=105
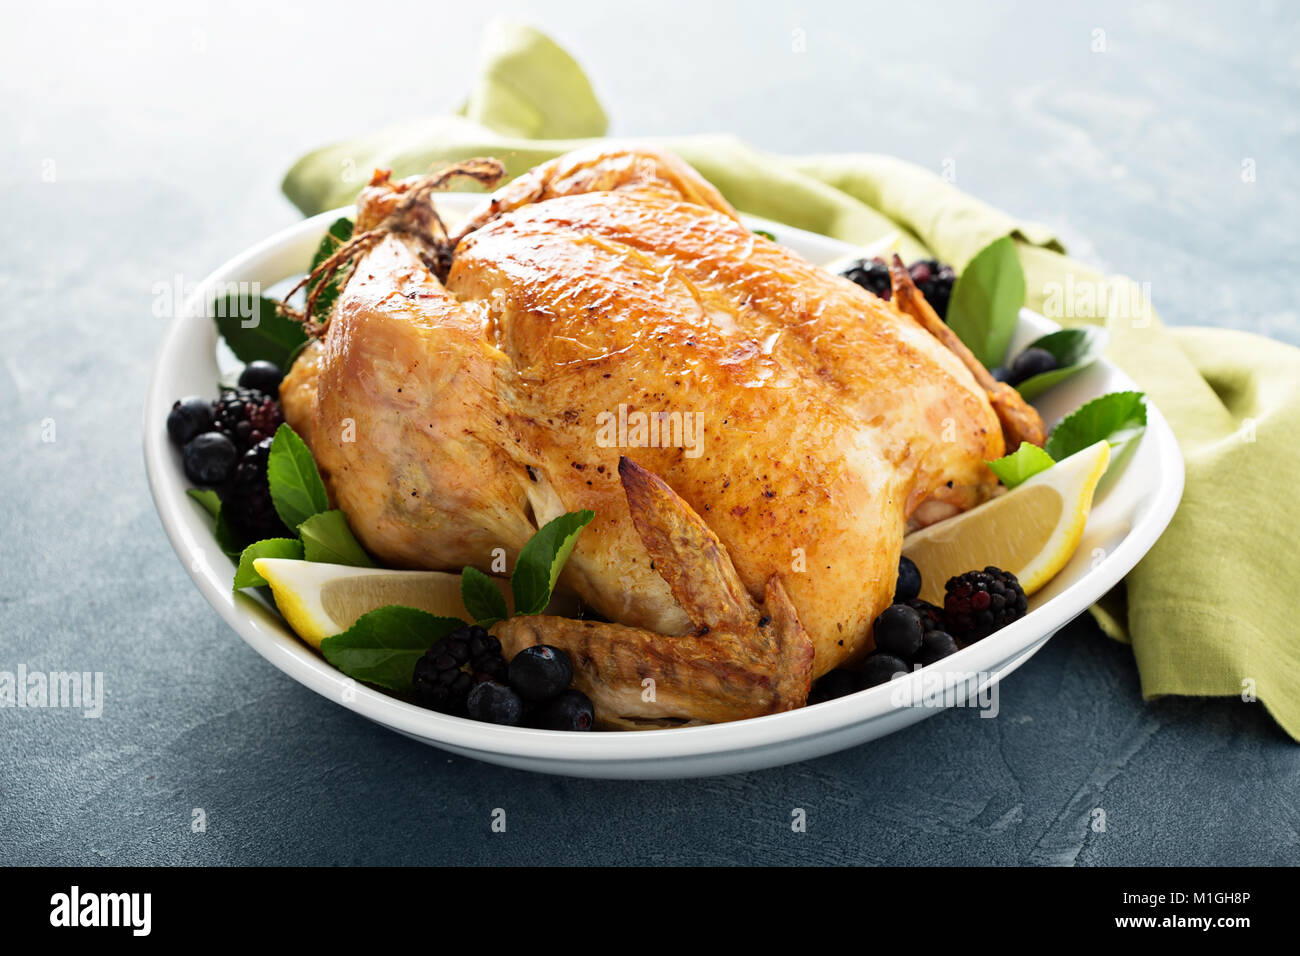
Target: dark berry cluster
x=246, y=499
x=465, y=675
x=451, y=668
x=225, y=445
x=978, y=603
x=912, y=632
x=932, y=278
x=246, y=416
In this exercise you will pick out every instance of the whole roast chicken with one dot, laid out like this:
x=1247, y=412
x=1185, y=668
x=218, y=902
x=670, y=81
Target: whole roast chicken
x=753, y=433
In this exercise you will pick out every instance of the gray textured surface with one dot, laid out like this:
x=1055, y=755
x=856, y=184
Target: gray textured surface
x=168, y=129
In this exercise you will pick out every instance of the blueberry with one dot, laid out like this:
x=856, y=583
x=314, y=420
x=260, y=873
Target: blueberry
x=898, y=631
x=572, y=710
x=881, y=668
x=540, y=672
x=836, y=684
x=1001, y=373
x=1031, y=362
x=909, y=581
x=935, y=646
x=263, y=376
x=189, y=417
x=210, y=458
x=494, y=703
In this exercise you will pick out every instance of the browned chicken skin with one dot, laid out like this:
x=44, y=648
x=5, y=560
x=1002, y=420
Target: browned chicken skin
x=801, y=422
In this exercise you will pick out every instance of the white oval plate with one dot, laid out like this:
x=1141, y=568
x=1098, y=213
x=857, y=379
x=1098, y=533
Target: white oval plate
x=1134, y=504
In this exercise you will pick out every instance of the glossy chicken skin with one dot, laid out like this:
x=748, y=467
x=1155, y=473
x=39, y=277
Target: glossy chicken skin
x=453, y=420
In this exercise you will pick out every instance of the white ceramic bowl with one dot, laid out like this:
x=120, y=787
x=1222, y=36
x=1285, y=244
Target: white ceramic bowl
x=1134, y=504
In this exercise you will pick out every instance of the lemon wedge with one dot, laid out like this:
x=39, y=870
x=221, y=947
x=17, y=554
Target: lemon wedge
x=1030, y=531
x=320, y=600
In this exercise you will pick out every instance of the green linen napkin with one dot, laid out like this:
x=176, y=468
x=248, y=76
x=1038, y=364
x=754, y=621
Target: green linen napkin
x=1206, y=611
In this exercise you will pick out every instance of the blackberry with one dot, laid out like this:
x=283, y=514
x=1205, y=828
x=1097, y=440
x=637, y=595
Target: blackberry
x=871, y=274
x=246, y=500
x=246, y=416
x=978, y=603
x=485, y=657
x=934, y=280
x=448, y=670
x=931, y=615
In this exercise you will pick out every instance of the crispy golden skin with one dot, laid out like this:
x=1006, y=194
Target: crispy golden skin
x=737, y=661
x=452, y=420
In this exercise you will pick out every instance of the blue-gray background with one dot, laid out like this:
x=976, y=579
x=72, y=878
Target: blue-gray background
x=145, y=142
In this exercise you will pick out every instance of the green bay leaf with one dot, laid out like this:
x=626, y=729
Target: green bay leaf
x=985, y=306
x=255, y=329
x=246, y=575
x=482, y=598
x=541, y=559
x=1021, y=465
x=1116, y=418
x=208, y=498
x=340, y=231
x=327, y=538
x=297, y=491
x=382, y=646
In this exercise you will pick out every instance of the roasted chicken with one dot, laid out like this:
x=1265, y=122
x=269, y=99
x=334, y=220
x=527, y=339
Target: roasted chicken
x=753, y=434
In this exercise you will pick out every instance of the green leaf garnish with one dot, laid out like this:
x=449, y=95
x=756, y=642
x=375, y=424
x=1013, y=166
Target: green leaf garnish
x=327, y=538
x=246, y=575
x=765, y=234
x=541, y=559
x=1021, y=465
x=254, y=329
x=296, y=487
x=986, y=299
x=383, y=645
x=1073, y=349
x=340, y=231
x=210, y=500
x=1116, y=418
x=482, y=598
x=228, y=540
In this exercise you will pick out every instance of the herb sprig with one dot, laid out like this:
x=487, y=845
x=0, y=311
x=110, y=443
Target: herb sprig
x=1115, y=417
x=382, y=646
